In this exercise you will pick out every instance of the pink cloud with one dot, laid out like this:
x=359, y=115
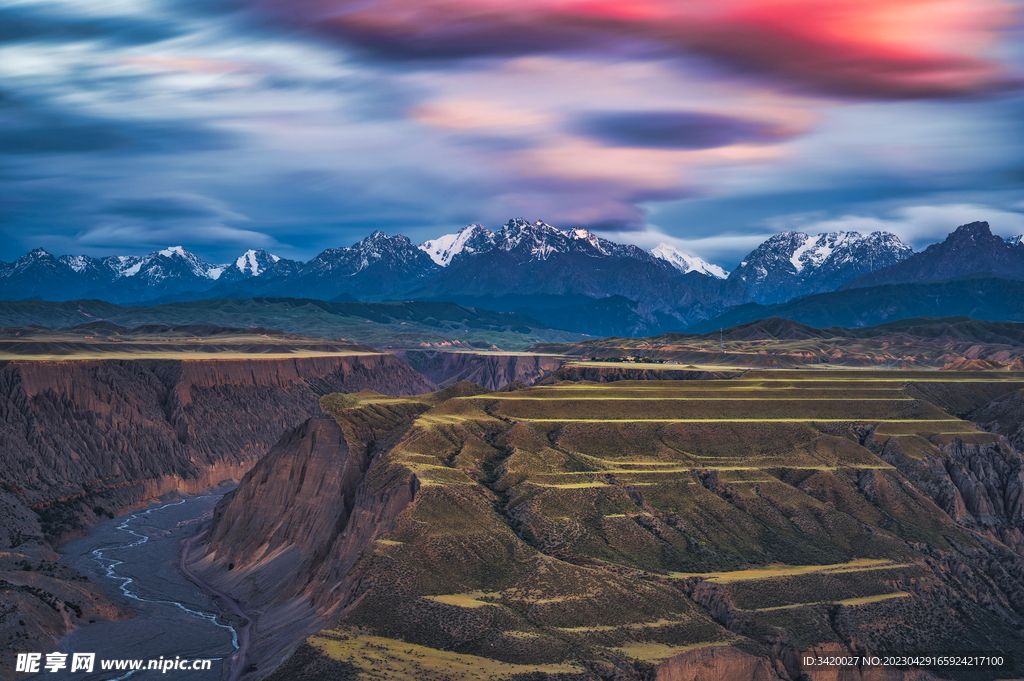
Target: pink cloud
x=869, y=48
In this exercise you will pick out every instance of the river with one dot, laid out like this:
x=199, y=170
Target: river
x=134, y=558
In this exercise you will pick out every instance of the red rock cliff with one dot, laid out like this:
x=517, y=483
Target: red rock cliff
x=80, y=435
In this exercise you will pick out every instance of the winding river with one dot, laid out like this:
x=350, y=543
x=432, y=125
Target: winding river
x=135, y=559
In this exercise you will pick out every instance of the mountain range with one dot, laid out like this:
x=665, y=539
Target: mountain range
x=972, y=273
x=568, y=278
x=121, y=278
x=793, y=264
x=971, y=248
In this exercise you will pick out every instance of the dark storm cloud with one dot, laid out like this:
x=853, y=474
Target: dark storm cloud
x=676, y=129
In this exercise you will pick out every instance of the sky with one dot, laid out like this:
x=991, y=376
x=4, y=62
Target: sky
x=300, y=125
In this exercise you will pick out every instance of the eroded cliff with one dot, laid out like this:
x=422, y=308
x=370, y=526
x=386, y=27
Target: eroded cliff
x=286, y=540
x=491, y=370
x=81, y=440
x=629, y=531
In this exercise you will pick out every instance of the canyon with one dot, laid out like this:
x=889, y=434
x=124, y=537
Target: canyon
x=615, y=521
x=88, y=439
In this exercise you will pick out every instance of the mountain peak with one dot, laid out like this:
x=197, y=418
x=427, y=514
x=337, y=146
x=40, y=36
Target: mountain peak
x=969, y=249
x=254, y=261
x=523, y=223
x=973, y=233
x=687, y=263
x=474, y=238
x=792, y=264
x=40, y=253
x=170, y=262
x=979, y=228
x=379, y=237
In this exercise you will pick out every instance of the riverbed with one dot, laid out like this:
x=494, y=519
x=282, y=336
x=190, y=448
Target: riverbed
x=134, y=558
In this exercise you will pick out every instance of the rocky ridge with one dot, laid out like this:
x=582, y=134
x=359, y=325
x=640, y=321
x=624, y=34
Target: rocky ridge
x=970, y=249
x=793, y=264
x=125, y=278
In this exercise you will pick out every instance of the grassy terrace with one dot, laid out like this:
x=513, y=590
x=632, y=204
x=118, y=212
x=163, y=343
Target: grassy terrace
x=202, y=343
x=557, y=524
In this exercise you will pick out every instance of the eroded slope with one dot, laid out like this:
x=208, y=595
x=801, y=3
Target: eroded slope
x=80, y=440
x=633, y=530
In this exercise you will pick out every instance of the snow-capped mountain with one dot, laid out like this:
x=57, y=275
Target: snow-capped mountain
x=970, y=249
x=173, y=263
x=794, y=264
x=1016, y=240
x=378, y=249
x=556, y=275
x=535, y=266
x=529, y=241
x=471, y=239
x=378, y=265
x=117, y=278
x=252, y=263
x=687, y=263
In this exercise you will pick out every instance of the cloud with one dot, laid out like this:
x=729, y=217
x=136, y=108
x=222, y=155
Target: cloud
x=721, y=249
x=612, y=112
x=860, y=48
x=21, y=23
x=140, y=224
x=676, y=129
x=475, y=114
x=35, y=127
x=121, y=237
x=180, y=206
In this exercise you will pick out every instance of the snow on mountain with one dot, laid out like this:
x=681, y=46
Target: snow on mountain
x=393, y=252
x=76, y=262
x=124, y=265
x=970, y=249
x=253, y=262
x=794, y=264
x=197, y=265
x=174, y=261
x=472, y=239
x=687, y=263
x=1015, y=240
x=531, y=241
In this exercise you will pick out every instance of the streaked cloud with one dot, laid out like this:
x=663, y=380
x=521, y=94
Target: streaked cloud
x=872, y=48
x=307, y=124
x=676, y=129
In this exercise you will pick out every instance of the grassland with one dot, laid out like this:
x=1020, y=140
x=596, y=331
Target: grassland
x=917, y=344
x=107, y=341
x=377, y=657
x=560, y=524
x=395, y=325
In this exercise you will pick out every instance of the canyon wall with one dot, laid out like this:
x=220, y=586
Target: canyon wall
x=610, y=374
x=86, y=439
x=286, y=540
x=491, y=370
x=105, y=434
